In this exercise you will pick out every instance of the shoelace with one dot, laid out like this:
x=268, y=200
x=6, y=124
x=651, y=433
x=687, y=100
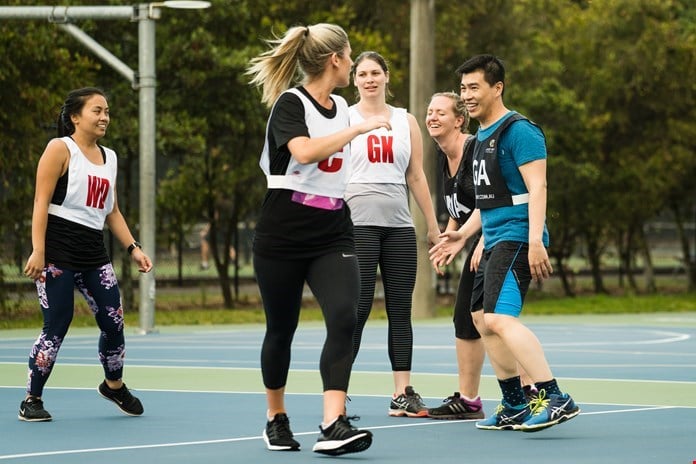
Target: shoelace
x=34, y=403
x=124, y=395
x=538, y=404
x=343, y=427
x=280, y=428
x=415, y=399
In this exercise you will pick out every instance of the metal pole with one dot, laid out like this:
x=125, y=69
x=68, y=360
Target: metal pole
x=100, y=51
x=147, y=83
x=61, y=14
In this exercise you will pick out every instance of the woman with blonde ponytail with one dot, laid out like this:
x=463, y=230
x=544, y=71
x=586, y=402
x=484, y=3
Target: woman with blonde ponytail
x=304, y=233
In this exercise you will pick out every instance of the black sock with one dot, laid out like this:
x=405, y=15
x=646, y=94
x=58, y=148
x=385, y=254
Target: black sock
x=513, y=395
x=550, y=386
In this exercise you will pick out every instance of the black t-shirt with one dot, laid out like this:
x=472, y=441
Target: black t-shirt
x=70, y=245
x=287, y=229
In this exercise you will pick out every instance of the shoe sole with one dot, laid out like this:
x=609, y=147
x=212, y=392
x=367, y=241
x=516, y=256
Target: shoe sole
x=355, y=444
x=472, y=416
x=41, y=419
x=127, y=413
x=546, y=425
x=277, y=447
x=498, y=427
x=402, y=413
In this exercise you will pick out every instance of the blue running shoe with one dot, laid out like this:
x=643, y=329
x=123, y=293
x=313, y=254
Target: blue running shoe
x=506, y=417
x=548, y=411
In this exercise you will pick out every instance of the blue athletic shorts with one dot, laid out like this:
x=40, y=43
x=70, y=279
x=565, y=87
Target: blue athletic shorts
x=503, y=279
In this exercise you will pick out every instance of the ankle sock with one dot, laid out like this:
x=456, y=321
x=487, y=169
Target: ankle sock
x=550, y=387
x=512, y=391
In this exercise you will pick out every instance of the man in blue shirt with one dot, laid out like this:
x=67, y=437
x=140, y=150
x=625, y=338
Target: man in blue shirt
x=510, y=183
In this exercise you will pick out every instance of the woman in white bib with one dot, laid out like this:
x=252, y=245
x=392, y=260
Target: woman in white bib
x=304, y=233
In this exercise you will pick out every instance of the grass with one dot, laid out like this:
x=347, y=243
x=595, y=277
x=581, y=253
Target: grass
x=187, y=312
x=203, y=305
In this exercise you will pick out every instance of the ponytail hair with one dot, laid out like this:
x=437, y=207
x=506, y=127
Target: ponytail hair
x=301, y=52
x=73, y=104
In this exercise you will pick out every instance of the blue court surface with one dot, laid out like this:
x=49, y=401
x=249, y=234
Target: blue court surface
x=633, y=376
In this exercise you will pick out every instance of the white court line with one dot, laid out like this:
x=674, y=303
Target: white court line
x=363, y=372
x=240, y=439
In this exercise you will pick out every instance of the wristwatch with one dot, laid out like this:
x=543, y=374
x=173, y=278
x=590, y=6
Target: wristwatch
x=133, y=246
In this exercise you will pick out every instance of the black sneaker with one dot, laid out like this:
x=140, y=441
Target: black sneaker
x=342, y=438
x=127, y=403
x=278, y=436
x=457, y=408
x=408, y=404
x=32, y=410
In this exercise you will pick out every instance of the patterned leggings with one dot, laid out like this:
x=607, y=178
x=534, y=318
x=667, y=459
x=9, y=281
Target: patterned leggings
x=56, y=289
x=394, y=249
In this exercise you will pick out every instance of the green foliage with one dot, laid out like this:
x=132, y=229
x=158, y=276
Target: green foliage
x=609, y=82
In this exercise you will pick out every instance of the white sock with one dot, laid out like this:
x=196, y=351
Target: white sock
x=326, y=426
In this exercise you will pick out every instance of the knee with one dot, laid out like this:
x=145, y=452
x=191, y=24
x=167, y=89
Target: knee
x=495, y=324
x=480, y=323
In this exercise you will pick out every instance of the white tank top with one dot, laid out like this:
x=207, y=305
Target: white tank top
x=327, y=178
x=89, y=197
x=381, y=156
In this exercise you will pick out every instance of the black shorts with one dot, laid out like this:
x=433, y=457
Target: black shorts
x=502, y=280
x=463, y=322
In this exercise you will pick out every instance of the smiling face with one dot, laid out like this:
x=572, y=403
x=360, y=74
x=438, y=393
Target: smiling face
x=94, y=118
x=441, y=118
x=482, y=100
x=370, y=79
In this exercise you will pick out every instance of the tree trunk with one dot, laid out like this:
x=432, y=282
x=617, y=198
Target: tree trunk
x=688, y=259
x=648, y=268
x=594, y=258
x=565, y=275
x=422, y=86
x=630, y=258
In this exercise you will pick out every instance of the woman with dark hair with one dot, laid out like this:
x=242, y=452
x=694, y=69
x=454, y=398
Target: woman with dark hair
x=75, y=196
x=387, y=165
x=304, y=233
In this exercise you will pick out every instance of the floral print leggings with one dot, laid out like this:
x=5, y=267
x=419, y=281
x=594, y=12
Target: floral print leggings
x=56, y=290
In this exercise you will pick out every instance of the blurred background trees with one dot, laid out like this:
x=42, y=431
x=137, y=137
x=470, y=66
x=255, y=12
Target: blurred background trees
x=609, y=81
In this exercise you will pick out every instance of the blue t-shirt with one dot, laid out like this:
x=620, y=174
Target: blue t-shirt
x=521, y=143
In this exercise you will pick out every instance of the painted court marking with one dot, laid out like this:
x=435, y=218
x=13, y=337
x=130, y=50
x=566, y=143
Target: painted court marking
x=259, y=437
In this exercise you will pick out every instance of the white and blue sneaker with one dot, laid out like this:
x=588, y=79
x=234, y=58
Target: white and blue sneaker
x=549, y=410
x=506, y=417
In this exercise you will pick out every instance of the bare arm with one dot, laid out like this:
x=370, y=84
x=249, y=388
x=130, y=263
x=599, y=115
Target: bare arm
x=117, y=226
x=308, y=150
x=52, y=164
x=417, y=182
x=534, y=175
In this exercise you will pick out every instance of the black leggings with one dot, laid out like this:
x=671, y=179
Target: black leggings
x=335, y=283
x=394, y=249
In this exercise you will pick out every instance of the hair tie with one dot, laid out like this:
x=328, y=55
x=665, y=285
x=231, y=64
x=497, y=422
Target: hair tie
x=306, y=31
